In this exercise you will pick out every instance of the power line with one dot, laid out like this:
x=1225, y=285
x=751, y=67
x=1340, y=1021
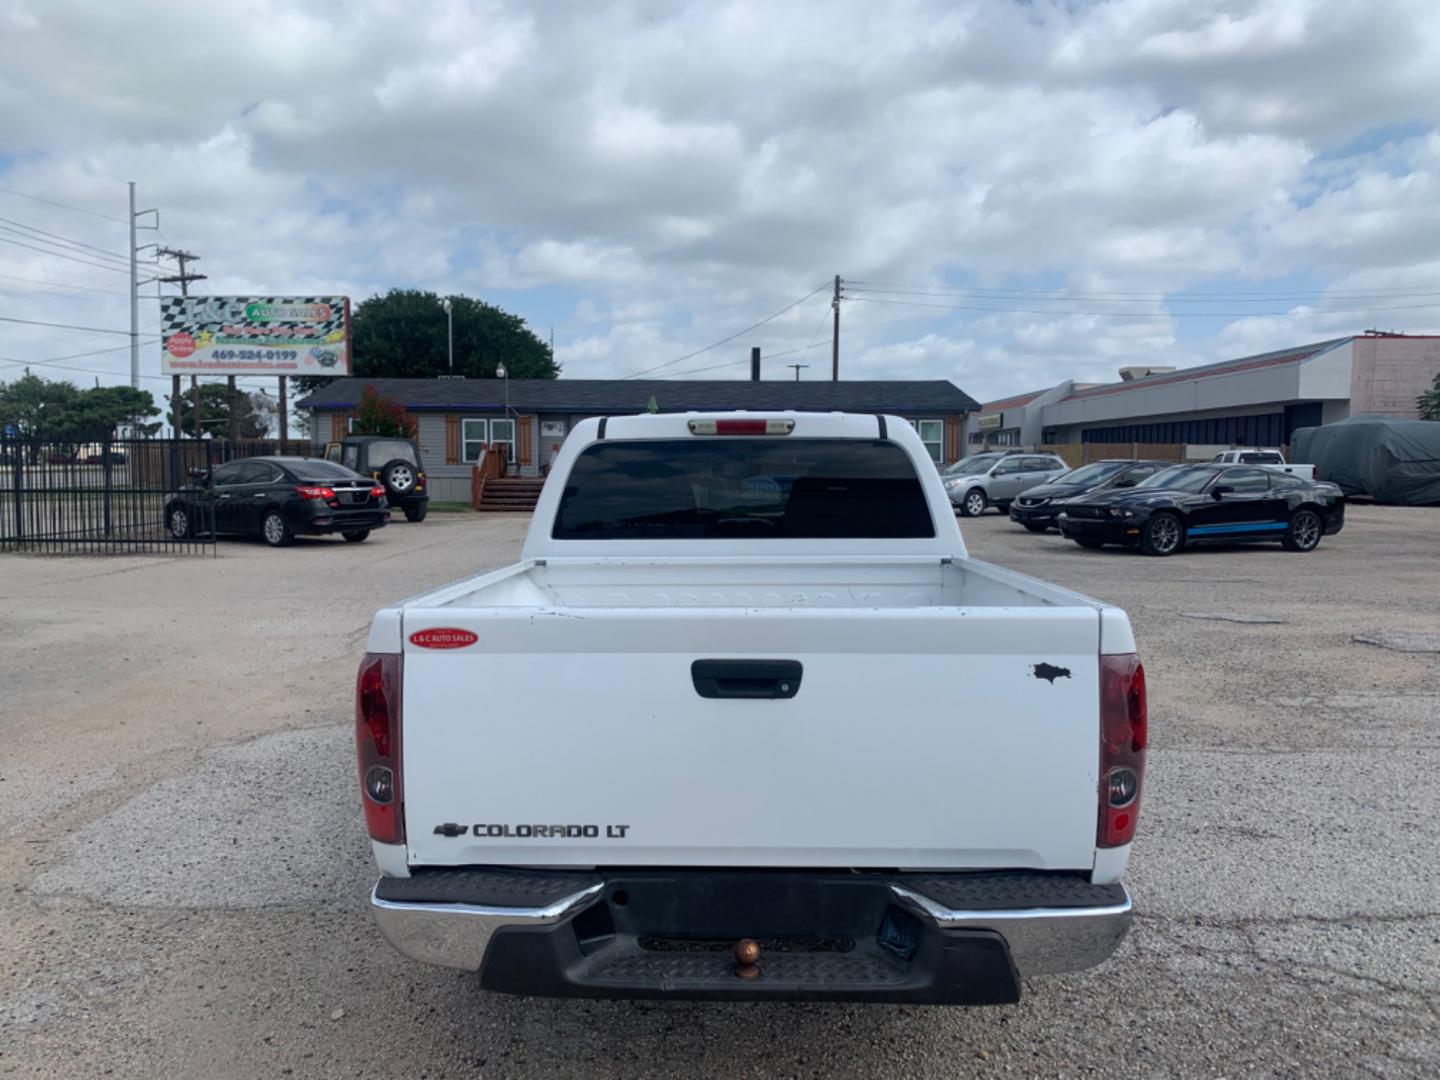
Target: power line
x=732, y=337
x=1146, y=314
x=56, y=237
x=64, y=326
x=54, y=361
x=65, y=249
x=66, y=285
x=37, y=299
x=73, y=356
x=1166, y=298
x=48, y=292
x=1188, y=295
x=814, y=337
x=712, y=367
x=746, y=360
x=63, y=206
x=62, y=255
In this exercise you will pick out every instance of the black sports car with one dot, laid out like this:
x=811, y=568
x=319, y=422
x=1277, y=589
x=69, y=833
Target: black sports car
x=1037, y=506
x=278, y=498
x=1189, y=504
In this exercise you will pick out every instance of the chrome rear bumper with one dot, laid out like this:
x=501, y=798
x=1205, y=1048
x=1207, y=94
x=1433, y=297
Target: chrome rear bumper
x=1043, y=941
x=1046, y=931
x=457, y=935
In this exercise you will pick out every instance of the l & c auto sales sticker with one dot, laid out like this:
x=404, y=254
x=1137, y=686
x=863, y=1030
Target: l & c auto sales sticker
x=443, y=637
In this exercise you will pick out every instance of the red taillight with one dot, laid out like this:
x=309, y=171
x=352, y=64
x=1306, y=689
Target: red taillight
x=377, y=746
x=377, y=492
x=1123, y=733
x=306, y=491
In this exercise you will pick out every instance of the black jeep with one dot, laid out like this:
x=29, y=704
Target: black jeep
x=393, y=461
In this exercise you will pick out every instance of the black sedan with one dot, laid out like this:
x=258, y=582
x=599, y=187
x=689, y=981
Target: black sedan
x=1189, y=504
x=278, y=498
x=1037, y=507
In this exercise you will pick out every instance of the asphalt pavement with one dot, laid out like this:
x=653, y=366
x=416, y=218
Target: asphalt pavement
x=183, y=870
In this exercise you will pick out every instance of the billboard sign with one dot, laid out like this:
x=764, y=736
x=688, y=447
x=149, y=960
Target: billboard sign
x=255, y=335
x=993, y=422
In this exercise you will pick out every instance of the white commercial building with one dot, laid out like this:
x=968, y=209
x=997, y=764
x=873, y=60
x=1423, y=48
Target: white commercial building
x=1250, y=401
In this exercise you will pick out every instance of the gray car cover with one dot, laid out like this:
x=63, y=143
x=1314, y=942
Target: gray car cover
x=1392, y=461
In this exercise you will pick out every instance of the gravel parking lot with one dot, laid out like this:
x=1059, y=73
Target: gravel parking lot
x=184, y=869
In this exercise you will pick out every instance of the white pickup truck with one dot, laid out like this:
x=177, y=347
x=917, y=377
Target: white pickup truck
x=745, y=722
x=1266, y=459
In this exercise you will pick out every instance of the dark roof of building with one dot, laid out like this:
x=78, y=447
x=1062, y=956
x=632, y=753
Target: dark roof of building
x=1206, y=371
x=598, y=396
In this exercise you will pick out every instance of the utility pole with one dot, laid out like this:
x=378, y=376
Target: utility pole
x=233, y=427
x=134, y=299
x=835, y=338
x=183, y=279
x=755, y=363
x=135, y=286
x=797, y=368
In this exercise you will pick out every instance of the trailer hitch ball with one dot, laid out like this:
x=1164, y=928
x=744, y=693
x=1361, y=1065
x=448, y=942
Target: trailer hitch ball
x=747, y=952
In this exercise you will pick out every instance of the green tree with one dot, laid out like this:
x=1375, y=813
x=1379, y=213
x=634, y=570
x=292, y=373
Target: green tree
x=58, y=411
x=35, y=408
x=106, y=411
x=402, y=334
x=254, y=413
x=379, y=414
x=1429, y=402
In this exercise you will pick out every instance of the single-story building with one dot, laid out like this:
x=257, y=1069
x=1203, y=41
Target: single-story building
x=1250, y=401
x=1012, y=421
x=457, y=417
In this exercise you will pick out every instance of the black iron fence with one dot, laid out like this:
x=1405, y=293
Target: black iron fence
x=109, y=496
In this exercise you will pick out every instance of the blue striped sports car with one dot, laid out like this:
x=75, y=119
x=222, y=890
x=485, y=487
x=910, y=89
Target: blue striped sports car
x=1191, y=504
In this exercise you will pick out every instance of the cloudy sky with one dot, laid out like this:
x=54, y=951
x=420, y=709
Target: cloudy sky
x=1015, y=192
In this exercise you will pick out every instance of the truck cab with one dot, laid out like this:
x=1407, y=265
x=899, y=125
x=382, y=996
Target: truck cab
x=1270, y=459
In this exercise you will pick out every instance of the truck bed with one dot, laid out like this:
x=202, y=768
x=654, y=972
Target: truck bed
x=555, y=585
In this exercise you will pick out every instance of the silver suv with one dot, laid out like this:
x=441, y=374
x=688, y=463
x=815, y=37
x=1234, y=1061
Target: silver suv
x=994, y=479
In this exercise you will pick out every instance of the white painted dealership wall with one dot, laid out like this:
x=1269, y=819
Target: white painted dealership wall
x=1326, y=376
x=1224, y=393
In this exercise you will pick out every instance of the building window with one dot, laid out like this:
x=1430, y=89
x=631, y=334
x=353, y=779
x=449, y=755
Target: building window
x=932, y=434
x=476, y=434
x=503, y=432
x=473, y=437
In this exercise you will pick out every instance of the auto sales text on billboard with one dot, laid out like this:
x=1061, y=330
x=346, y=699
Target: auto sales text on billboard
x=255, y=335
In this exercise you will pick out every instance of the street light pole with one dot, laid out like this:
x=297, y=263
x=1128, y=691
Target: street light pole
x=449, y=333
x=503, y=374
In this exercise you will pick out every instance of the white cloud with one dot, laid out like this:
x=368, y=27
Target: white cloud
x=653, y=178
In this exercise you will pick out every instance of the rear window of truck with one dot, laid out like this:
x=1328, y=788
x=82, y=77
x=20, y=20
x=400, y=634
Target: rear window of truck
x=723, y=488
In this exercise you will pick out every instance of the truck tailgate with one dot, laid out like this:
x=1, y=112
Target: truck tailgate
x=939, y=737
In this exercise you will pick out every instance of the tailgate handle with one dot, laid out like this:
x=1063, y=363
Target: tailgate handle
x=746, y=678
